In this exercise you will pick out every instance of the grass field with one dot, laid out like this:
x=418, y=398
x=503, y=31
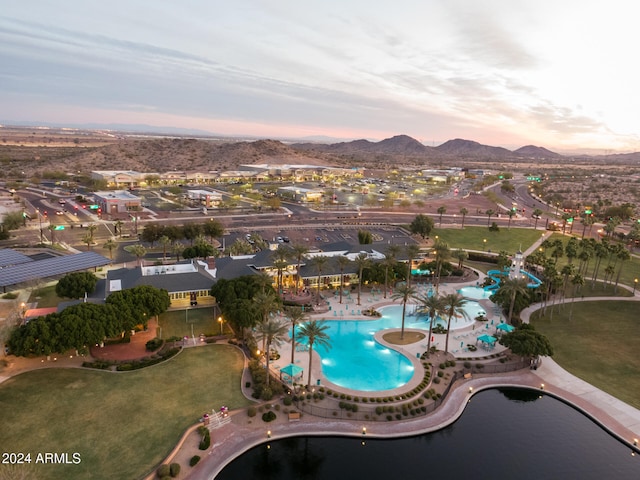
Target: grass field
x=45, y=297
x=121, y=424
x=600, y=344
x=177, y=323
x=472, y=238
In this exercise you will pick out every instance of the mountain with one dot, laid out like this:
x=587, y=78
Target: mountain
x=531, y=151
x=398, y=145
x=469, y=148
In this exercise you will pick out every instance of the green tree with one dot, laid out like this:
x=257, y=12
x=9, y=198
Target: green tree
x=537, y=213
x=404, y=293
x=213, y=229
x=411, y=250
x=441, y=211
x=421, y=225
x=453, y=304
x=315, y=334
x=165, y=241
x=75, y=285
x=526, y=342
x=191, y=231
x=365, y=237
x=12, y=220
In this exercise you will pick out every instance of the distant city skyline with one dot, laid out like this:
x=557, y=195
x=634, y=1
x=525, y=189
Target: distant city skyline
x=555, y=74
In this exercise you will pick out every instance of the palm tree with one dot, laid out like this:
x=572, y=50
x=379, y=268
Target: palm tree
x=272, y=332
x=117, y=226
x=412, y=251
x=315, y=332
x=453, y=304
x=110, y=245
x=298, y=251
x=165, y=242
x=490, y=213
x=441, y=211
x=177, y=248
x=403, y=292
x=88, y=239
x=577, y=281
x=433, y=306
x=296, y=315
x=342, y=262
x=388, y=262
x=536, y=214
x=266, y=304
x=280, y=263
x=623, y=255
x=601, y=250
x=463, y=212
x=319, y=262
x=443, y=253
x=91, y=229
x=138, y=250
x=511, y=213
x=511, y=288
x=461, y=255
x=362, y=261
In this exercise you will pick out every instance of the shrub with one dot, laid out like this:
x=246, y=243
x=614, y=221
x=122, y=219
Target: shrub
x=440, y=374
x=436, y=379
x=467, y=365
x=163, y=470
x=153, y=344
x=10, y=296
x=174, y=469
x=205, y=441
x=252, y=412
x=269, y=416
x=287, y=401
x=194, y=460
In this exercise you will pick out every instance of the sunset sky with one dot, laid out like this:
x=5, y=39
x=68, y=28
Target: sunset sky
x=562, y=74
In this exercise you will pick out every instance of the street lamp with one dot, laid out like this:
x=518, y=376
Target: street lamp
x=484, y=244
x=220, y=322
x=635, y=285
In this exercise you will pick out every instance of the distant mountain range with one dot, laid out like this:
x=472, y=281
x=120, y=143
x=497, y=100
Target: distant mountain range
x=408, y=146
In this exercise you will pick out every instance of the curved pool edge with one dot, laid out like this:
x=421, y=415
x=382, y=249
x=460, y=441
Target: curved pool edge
x=236, y=440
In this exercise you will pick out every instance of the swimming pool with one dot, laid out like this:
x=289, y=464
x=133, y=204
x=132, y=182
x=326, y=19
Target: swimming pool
x=357, y=362
x=477, y=293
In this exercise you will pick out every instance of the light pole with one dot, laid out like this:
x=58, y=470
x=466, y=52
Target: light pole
x=635, y=285
x=220, y=321
x=484, y=244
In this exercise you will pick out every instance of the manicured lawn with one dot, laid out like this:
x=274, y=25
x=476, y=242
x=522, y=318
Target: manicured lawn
x=122, y=424
x=600, y=344
x=177, y=323
x=471, y=238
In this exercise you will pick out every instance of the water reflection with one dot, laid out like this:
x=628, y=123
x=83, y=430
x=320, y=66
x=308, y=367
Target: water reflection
x=505, y=433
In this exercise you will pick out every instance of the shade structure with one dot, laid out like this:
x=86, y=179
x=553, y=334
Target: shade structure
x=487, y=339
x=290, y=372
x=505, y=327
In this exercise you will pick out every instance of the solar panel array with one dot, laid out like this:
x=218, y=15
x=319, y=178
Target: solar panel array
x=50, y=267
x=11, y=257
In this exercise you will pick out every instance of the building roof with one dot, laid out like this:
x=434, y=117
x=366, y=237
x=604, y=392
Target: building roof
x=179, y=280
x=50, y=267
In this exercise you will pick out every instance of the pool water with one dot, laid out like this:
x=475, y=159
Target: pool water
x=476, y=293
x=356, y=361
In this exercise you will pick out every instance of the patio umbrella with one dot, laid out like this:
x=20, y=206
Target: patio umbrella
x=291, y=371
x=487, y=339
x=505, y=327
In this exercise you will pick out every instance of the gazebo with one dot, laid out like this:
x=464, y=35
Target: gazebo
x=290, y=373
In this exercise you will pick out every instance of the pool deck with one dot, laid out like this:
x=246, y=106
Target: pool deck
x=241, y=434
